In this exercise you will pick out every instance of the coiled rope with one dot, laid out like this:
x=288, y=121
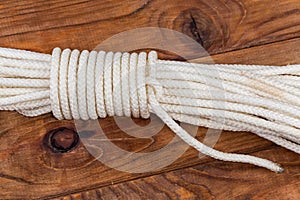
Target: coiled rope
x=87, y=85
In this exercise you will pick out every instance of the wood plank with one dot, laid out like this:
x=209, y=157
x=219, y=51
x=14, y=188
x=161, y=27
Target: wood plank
x=33, y=169
x=279, y=53
x=212, y=180
x=219, y=25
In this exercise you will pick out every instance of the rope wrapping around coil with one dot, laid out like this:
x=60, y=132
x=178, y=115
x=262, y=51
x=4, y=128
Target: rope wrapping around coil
x=87, y=85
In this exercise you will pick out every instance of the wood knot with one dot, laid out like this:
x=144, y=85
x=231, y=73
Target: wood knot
x=204, y=26
x=62, y=140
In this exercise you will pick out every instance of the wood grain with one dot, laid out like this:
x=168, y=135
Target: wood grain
x=279, y=53
x=219, y=25
x=236, y=31
x=212, y=180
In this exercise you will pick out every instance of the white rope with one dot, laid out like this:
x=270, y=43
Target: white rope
x=87, y=85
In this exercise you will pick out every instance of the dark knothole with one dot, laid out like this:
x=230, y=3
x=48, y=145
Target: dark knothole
x=62, y=140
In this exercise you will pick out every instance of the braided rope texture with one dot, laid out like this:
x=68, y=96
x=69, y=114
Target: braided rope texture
x=88, y=85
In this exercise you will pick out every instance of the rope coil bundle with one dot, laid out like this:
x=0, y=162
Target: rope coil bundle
x=87, y=85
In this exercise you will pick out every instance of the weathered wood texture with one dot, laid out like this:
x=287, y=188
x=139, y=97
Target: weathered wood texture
x=212, y=180
x=31, y=169
x=219, y=25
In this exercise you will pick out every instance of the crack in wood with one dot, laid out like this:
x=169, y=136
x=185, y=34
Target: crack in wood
x=14, y=178
x=195, y=31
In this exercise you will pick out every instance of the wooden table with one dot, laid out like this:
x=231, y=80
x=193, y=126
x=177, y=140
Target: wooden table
x=34, y=166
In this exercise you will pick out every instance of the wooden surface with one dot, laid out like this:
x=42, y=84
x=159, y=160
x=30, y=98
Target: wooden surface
x=41, y=157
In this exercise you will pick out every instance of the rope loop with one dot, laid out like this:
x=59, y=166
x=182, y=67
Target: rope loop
x=89, y=85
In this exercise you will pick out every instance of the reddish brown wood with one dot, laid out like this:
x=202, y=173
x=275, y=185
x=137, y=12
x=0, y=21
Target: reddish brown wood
x=30, y=169
x=219, y=25
x=212, y=180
